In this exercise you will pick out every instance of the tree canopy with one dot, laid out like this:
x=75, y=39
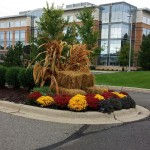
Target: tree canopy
x=144, y=53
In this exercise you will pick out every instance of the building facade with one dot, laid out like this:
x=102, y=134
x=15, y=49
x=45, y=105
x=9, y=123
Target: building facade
x=115, y=22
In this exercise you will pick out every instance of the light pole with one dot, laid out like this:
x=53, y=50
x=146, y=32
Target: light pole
x=130, y=18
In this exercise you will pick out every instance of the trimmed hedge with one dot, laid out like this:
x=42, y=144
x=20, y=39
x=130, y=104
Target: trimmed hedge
x=12, y=77
x=2, y=76
x=26, y=78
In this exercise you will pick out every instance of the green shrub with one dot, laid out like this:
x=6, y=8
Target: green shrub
x=26, y=78
x=12, y=77
x=105, y=106
x=45, y=90
x=115, y=103
x=2, y=76
x=128, y=102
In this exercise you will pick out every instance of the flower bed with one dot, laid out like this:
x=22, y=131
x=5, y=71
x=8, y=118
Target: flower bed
x=107, y=102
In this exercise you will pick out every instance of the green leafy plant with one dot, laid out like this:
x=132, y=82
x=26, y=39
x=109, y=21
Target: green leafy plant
x=12, y=77
x=115, y=103
x=2, y=76
x=44, y=90
x=26, y=78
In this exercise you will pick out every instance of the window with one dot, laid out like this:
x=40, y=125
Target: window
x=1, y=36
x=22, y=35
x=116, y=31
x=104, y=34
x=23, y=23
x=17, y=23
x=11, y=24
x=17, y=36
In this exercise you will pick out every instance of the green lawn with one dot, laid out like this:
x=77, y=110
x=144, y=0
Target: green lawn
x=140, y=79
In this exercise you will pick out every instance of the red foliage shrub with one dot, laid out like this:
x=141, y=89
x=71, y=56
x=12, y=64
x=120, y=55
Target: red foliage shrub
x=62, y=100
x=92, y=101
x=108, y=95
x=34, y=95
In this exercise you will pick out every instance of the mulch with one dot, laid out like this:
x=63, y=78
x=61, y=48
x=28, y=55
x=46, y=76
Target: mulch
x=13, y=95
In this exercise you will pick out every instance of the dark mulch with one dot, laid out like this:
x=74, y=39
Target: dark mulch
x=13, y=95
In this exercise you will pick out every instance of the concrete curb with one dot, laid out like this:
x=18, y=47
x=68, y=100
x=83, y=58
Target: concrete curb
x=128, y=89
x=74, y=117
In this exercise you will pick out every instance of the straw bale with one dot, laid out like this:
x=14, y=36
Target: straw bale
x=87, y=80
x=70, y=92
x=74, y=79
x=95, y=90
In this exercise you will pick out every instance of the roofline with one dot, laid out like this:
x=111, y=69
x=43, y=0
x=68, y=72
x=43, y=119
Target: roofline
x=144, y=9
x=81, y=7
x=14, y=16
x=117, y=3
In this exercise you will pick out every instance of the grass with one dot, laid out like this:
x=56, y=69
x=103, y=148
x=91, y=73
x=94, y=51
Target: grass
x=140, y=79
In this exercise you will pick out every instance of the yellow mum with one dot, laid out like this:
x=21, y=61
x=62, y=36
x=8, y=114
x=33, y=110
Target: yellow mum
x=45, y=101
x=98, y=96
x=120, y=95
x=77, y=103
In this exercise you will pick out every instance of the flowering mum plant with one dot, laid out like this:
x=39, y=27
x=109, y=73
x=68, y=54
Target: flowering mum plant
x=62, y=100
x=77, y=103
x=120, y=95
x=45, y=101
x=92, y=101
x=108, y=95
x=34, y=95
x=99, y=97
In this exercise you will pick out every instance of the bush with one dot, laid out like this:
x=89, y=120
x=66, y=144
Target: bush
x=105, y=106
x=127, y=102
x=2, y=76
x=45, y=90
x=12, y=77
x=26, y=78
x=115, y=103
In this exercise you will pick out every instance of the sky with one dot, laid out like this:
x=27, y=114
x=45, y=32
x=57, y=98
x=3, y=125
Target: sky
x=13, y=7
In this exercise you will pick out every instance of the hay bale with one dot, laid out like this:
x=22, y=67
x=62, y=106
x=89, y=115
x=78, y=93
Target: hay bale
x=70, y=92
x=95, y=90
x=87, y=80
x=74, y=79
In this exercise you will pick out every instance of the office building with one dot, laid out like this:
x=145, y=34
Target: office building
x=116, y=23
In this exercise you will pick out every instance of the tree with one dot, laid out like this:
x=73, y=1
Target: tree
x=14, y=55
x=88, y=34
x=144, y=53
x=124, y=55
x=52, y=23
x=71, y=34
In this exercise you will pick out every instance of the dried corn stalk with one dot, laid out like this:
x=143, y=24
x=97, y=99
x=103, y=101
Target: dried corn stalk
x=78, y=60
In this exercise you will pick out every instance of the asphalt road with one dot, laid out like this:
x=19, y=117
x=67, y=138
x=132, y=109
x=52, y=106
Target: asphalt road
x=18, y=133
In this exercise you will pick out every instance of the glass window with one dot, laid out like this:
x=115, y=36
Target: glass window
x=17, y=23
x=104, y=45
x=1, y=45
x=144, y=20
x=104, y=34
x=116, y=31
x=3, y=24
x=23, y=23
x=1, y=36
x=11, y=24
x=17, y=36
x=22, y=35
x=115, y=46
